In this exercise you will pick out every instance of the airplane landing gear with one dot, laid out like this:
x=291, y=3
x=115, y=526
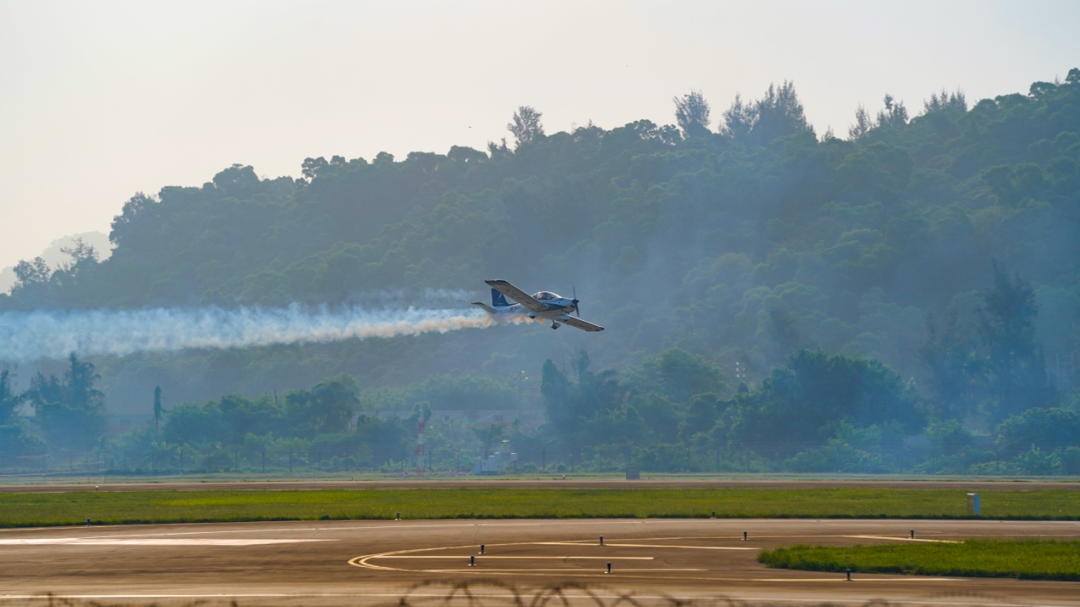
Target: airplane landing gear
x=554, y=325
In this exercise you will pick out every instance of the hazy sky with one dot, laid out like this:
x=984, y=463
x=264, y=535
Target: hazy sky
x=99, y=100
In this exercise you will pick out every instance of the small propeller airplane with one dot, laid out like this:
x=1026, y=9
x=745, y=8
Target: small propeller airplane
x=544, y=305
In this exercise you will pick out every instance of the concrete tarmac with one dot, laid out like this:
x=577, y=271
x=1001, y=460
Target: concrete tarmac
x=376, y=562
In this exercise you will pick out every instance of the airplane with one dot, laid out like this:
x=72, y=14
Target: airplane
x=544, y=305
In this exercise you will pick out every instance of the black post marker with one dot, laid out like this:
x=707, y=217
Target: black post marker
x=472, y=561
x=912, y=534
x=744, y=536
x=87, y=522
x=601, y=537
x=714, y=514
x=609, y=567
x=398, y=518
x=481, y=549
x=849, y=574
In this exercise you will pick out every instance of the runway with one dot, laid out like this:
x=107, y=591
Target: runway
x=878, y=482
x=375, y=562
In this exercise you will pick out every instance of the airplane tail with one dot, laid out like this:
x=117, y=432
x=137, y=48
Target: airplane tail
x=498, y=301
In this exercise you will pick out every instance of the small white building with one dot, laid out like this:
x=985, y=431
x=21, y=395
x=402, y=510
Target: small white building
x=496, y=463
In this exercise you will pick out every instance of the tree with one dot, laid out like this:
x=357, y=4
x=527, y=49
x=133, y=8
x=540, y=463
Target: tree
x=70, y=411
x=680, y=375
x=580, y=363
x=862, y=124
x=1050, y=429
x=488, y=436
x=954, y=368
x=332, y=404
x=157, y=408
x=701, y=415
x=739, y=120
x=9, y=400
x=692, y=114
x=945, y=100
x=79, y=252
x=803, y=401
x=466, y=155
x=894, y=114
x=29, y=273
x=526, y=126
x=313, y=166
x=194, y=423
x=778, y=114
x=555, y=390
x=498, y=150
x=1018, y=379
x=129, y=228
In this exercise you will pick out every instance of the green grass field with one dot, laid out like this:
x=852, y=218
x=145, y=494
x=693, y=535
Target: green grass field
x=1024, y=559
x=44, y=509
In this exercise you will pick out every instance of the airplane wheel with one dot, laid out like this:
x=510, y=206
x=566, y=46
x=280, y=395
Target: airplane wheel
x=553, y=327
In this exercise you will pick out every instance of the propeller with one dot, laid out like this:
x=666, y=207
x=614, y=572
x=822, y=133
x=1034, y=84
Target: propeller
x=575, y=302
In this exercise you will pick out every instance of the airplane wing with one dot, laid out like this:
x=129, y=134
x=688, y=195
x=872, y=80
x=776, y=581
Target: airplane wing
x=516, y=294
x=577, y=323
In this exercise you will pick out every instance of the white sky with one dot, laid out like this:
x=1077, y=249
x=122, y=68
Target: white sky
x=99, y=100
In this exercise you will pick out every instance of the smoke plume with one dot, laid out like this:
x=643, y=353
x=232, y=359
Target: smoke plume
x=28, y=336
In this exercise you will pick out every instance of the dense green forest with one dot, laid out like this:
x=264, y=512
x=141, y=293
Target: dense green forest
x=907, y=297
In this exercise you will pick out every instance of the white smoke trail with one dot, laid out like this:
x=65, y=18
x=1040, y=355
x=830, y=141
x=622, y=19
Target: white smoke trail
x=28, y=336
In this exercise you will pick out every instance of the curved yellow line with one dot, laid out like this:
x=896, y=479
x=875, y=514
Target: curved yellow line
x=363, y=562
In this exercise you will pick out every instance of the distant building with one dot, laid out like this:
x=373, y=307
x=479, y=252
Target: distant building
x=496, y=463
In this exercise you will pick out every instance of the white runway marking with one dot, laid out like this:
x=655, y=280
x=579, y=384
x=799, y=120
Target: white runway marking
x=620, y=545
x=362, y=527
x=899, y=539
x=151, y=541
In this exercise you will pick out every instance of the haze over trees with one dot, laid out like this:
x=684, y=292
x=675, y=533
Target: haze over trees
x=906, y=298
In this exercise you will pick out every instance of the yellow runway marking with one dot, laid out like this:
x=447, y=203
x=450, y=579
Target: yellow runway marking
x=490, y=556
x=365, y=562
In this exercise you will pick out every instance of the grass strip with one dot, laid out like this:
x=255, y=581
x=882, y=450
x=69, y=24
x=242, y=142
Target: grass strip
x=1031, y=559
x=104, y=507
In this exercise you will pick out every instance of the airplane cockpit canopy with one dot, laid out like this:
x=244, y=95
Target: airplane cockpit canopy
x=545, y=296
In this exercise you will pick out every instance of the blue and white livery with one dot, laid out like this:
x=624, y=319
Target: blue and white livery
x=543, y=305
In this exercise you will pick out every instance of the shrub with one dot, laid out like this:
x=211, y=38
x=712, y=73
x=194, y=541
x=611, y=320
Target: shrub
x=1070, y=461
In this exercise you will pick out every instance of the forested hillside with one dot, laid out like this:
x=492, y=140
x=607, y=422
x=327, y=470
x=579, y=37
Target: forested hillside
x=935, y=249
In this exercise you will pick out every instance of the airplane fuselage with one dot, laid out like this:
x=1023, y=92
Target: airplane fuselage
x=556, y=309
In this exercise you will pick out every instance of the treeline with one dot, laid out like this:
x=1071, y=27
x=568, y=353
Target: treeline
x=934, y=256
x=675, y=412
